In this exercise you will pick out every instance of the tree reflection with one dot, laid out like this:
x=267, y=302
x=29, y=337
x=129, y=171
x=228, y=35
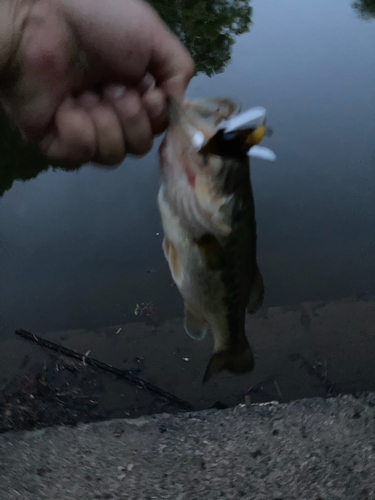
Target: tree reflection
x=365, y=8
x=18, y=161
x=206, y=28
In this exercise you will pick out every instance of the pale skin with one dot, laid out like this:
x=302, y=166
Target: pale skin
x=87, y=80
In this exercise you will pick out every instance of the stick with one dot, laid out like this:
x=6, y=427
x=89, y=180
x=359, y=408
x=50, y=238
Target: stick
x=126, y=374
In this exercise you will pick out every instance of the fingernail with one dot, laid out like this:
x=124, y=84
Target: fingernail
x=148, y=83
x=89, y=99
x=69, y=102
x=114, y=91
x=46, y=142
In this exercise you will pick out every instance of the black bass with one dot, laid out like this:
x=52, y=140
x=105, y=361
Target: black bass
x=207, y=209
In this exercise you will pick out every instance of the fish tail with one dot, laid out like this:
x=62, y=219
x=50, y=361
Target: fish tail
x=237, y=359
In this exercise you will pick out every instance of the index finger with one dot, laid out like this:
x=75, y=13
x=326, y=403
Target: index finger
x=171, y=64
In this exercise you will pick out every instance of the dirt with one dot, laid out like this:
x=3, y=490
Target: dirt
x=314, y=349
x=66, y=392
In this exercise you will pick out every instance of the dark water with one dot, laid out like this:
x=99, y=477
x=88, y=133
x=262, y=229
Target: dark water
x=80, y=249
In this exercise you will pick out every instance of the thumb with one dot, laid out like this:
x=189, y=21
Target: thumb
x=171, y=64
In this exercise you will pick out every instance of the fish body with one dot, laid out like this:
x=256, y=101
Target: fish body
x=207, y=209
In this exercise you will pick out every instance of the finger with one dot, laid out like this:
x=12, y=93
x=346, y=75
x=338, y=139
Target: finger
x=155, y=104
x=171, y=65
x=74, y=138
x=135, y=123
x=113, y=91
x=88, y=99
x=110, y=144
x=147, y=83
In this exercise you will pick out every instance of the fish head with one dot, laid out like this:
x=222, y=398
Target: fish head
x=193, y=124
x=204, y=159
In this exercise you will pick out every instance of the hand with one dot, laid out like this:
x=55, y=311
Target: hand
x=87, y=80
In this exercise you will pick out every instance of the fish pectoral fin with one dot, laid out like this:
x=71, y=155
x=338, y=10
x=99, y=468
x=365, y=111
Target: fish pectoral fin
x=195, y=326
x=217, y=208
x=211, y=251
x=174, y=262
x=256, y=293
x=235, y=360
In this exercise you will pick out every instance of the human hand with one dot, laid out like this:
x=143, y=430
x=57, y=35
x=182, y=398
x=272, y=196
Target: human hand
x=87, y=80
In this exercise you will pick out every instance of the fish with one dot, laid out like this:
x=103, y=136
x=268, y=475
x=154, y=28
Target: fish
x=207, y=211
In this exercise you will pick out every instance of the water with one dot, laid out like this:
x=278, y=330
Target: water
x=80, y=249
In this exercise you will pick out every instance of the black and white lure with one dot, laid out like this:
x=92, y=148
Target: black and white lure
x=250, y=126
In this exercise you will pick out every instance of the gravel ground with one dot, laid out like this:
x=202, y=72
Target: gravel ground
x=310, y=449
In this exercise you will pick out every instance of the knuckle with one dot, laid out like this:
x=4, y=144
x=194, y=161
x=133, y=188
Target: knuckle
x=130, y=107
x=114, y=156
x=142, y=147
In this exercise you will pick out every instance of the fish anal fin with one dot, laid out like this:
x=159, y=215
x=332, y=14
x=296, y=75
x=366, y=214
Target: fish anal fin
x=256, y=293
x=195, y=326
x=239, y=360
x=211, y=251
x=174, y=262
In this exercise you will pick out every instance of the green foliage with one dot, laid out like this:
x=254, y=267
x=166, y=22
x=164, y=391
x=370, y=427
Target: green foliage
x=365, y=8
x=207, y=28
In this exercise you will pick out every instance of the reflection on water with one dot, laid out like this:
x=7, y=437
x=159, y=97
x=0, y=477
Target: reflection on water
x=206, y=28
x=365, y=8
x=18, y=161
x=80, y=250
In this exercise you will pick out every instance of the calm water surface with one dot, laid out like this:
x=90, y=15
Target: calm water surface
x=80, y=249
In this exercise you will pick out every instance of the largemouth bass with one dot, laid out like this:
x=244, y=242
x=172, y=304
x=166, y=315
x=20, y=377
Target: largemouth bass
x=207, y=209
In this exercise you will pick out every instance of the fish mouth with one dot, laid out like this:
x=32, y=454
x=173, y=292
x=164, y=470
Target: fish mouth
x=234, y=144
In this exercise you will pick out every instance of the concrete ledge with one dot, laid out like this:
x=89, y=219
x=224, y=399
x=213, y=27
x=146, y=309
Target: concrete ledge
x=311, y=449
